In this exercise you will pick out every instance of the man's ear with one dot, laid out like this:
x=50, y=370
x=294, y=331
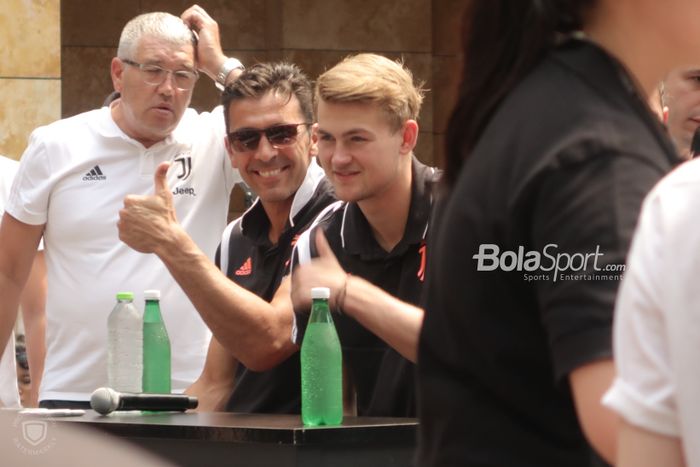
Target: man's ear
x=409, y=136
x=313, y=148
x=117, y=72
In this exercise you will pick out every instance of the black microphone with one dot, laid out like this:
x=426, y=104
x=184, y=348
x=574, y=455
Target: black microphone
x=695, y=144
x=107, y=400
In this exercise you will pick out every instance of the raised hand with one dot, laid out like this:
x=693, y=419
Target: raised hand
x=210, y=56
x=145, y=222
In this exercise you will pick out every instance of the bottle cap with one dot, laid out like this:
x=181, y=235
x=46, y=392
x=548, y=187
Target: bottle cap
x=125, y=295
x=320, y=292
x=152, y=294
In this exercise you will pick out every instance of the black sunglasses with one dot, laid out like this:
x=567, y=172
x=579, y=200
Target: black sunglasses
x=248, y=139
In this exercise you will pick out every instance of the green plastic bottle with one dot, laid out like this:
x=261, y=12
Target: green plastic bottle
x=156, y=347
x=321, y=366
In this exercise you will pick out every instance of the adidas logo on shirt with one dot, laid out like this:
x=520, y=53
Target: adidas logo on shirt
x=94, y=174
x=246, y=269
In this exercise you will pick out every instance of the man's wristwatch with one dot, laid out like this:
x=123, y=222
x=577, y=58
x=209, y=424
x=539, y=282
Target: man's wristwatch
x=227, y=67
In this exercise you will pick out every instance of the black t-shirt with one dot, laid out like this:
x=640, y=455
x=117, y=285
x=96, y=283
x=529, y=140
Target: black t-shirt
x=384, y=381
x=560, y=172
x=259, y=266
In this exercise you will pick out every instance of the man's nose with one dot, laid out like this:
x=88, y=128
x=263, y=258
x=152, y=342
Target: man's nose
x=266, y=151
x=340, y=155
x=167, y=87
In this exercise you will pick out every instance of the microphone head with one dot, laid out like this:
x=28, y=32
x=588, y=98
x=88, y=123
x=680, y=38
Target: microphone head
x=104, y=400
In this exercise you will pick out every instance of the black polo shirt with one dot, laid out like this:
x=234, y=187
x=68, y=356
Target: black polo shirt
x=566, y=160
x=383, y=379
x=257, y=265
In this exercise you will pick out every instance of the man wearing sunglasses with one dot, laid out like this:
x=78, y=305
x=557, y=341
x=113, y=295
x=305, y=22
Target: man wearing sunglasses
x=269, y=119
x=71, y=184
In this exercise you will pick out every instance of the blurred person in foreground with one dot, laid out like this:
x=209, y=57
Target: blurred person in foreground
x=535, y=224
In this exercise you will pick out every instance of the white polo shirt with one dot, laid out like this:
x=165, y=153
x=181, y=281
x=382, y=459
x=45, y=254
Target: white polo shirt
x=9, y=395
x=657, y=315
x=74, y=176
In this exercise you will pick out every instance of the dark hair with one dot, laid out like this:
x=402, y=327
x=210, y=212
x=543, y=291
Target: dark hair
x=284, y=79
x=502, y=41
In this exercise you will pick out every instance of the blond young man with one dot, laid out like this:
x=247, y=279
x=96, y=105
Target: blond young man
x=369, y=248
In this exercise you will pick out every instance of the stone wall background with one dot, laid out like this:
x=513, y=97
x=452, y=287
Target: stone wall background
x=315, y=34
x=30, y=70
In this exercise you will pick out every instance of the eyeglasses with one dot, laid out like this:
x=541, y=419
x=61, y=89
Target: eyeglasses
x=155, y=75
x=279, y=136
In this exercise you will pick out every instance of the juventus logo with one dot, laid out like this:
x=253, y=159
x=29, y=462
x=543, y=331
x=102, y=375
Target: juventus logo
x=185, y=166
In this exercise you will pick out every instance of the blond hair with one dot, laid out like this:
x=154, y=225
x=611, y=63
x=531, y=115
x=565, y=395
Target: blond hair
x=374, y=79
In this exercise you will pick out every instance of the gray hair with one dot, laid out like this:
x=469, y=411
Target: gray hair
x=160, y=25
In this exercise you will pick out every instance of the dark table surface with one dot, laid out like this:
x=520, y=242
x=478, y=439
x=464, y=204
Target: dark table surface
x=250, y=440
x=256, y=428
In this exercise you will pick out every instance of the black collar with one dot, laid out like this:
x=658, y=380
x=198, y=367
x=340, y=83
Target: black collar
x=356, y=234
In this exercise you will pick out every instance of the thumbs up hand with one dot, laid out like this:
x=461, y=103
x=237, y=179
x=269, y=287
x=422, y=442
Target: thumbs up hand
x=160, y=184
x=322, y=271
x=145, y=221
